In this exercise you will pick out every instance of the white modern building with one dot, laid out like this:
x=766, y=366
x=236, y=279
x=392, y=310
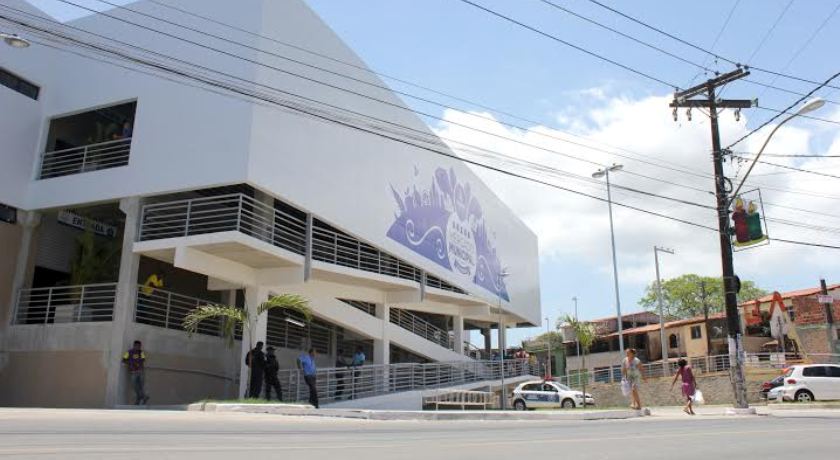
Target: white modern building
x=130, y=195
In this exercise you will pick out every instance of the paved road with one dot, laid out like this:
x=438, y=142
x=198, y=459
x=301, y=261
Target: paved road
x=188, y=435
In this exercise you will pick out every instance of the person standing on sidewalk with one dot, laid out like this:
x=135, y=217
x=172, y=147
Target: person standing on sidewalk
x=135, y=361
x=271, y=380
x=689, y=385
x=255, y=359
x=631, y=372
x=306, y=363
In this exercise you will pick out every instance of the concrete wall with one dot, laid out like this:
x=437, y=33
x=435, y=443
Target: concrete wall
x=10, y=236
x=716, y=388
x=55, y=378
x=610, y=358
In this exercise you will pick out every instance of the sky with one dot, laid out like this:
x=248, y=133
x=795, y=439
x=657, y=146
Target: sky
x=569, y=95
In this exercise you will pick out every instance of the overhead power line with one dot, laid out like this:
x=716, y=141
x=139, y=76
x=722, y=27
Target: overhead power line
x=703, y=50
x=317, y=115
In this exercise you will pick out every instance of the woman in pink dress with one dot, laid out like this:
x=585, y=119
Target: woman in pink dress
x=688, y=384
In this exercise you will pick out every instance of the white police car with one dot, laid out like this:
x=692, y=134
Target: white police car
x=539, y=393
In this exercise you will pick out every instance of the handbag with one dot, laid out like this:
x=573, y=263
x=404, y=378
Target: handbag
x=625, y=387
x=697, y=397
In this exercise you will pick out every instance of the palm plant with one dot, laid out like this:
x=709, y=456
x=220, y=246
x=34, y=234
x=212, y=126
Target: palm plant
x=586, y=334
x=231, y=317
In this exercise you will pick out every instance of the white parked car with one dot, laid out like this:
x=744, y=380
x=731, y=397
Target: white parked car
x=806, y=383
x=535, y=394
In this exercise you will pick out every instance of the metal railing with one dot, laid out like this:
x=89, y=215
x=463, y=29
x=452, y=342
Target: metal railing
x=700, y=365
x=224, y=213
x=292, y=331
x=419, y=326
x=167, y=309
x=66, y=304
x=91, y=157
x=241, y=213
x=338, y=248
x=335, y=384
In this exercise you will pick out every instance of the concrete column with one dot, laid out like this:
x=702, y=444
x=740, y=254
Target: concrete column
x=25, y=259
x=121, y=326
x=458, y=335
x=382, y=344
x=502, y=337
x=254, y=296
x=488, y=341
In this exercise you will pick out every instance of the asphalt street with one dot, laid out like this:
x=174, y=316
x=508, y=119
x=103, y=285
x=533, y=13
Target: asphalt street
x=88, y=434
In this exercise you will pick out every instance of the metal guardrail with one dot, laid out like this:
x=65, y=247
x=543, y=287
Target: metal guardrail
x=700, y=365
x=167, y=309
x=241, y=213
x=419, y=326
x=66, y=304
x=335, y=384
x=459, y=398
x=91, y=157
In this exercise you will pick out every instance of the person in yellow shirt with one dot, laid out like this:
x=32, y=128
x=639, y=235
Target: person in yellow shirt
x=135, y=361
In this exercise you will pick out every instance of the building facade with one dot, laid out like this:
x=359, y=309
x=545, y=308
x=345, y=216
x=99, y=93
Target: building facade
x=130, y=196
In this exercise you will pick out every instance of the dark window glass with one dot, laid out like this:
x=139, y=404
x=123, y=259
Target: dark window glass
x=673, y=341
x=531, y=387
x=18, y=84
x=815, y=371
x=834, y=371
x=695, y=332
x=8, y=214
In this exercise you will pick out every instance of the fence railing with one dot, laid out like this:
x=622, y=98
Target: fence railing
x=167, y=309
x=91, y=157
x=419, y=326
x=700, y=365
x=66, y=304
x=365, y=381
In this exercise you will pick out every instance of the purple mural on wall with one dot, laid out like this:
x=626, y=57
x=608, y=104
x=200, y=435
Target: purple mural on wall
x=445, y=224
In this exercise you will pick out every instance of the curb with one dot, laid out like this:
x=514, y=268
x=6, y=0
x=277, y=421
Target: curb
x=799, y=406
x=306, y=410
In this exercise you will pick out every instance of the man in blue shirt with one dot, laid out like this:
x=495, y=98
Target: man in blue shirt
x=358, y=361
x=306, y=363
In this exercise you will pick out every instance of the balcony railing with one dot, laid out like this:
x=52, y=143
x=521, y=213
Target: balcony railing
x=167, y=309
x=91, y=157
x=417, y=325
x=66, y=304
x=233, y=212
x=241, y=213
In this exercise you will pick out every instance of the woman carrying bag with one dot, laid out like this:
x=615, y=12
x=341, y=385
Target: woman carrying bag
x=689, y=387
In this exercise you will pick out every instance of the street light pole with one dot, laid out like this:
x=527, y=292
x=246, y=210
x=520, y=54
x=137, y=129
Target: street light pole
x=577, y=342
x=605, y=172
x=502, y=275
x=656, y=250
x=548, y=340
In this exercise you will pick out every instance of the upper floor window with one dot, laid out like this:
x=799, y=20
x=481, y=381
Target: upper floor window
x=18, y=84
x=89, y=141
x=696, y=332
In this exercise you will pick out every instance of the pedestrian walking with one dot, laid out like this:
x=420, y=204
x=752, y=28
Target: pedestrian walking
x=271, y=380
x=135, y=361
x=306, y=363
x=689, y=385
x=255, y=360
x=341, y=363
x=631, y=373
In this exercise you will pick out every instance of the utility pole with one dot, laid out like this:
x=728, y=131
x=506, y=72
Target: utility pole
x=682, y=99
x=704, y=299
x=665, y=361
x=829, y=319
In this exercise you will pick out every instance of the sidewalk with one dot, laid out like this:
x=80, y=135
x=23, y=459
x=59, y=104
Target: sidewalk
x=307, y=410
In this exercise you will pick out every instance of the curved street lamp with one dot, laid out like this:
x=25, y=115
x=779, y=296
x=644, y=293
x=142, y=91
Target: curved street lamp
x=15, y=40
x=605, y=172
x=809, y=106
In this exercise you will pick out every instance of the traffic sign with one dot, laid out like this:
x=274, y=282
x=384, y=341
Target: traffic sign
x=825, y=299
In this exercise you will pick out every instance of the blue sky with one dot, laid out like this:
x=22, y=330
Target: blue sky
x=453, y=47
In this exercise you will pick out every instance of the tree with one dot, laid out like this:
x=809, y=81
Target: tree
x=585, y=333
x=555, y=339
x=231, y=317
x=686, y=296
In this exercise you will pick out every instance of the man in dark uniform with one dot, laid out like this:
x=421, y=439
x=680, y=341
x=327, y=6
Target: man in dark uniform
x=255, y=359
x=271, y=380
